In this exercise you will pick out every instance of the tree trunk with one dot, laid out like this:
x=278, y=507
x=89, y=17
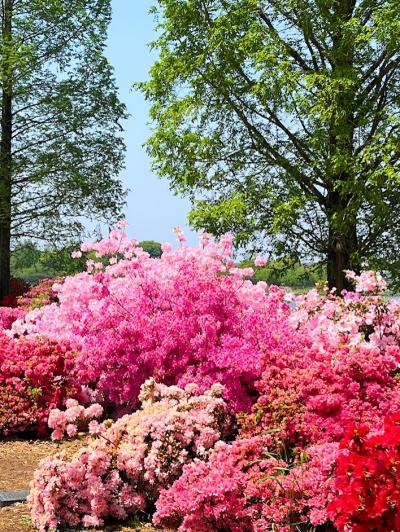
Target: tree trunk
x=341, y=211
x=341, y=246
x=5, y=149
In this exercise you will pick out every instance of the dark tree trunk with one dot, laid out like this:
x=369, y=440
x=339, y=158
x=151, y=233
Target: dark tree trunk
x=5, y=150
x=342, y=242
x=341, y=212
x=341, y=249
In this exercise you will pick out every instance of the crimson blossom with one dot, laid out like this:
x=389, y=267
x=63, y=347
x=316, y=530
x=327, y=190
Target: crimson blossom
x=367, y=488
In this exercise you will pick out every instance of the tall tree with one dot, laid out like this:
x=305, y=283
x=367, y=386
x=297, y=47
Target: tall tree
x=280, y=120
x=60, y=148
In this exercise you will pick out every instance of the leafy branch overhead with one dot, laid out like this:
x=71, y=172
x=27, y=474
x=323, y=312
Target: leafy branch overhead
x=62, y=144
x=288, y=112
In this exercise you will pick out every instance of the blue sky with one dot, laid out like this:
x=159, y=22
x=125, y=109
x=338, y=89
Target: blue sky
x=152, y=209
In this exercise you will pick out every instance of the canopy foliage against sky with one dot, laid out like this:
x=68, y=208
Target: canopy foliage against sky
x=280, y=120
x=61, y=144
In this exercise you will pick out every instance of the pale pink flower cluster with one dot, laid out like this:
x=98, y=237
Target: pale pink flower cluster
x=367, y=282
x=75, y=417
x=260, y=262
x=123, y=470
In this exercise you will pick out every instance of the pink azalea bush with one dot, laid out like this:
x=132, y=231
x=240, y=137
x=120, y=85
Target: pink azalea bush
x=312, y=397
x=244, y=487
x=298, y=371
x=128, y=462
x=75, y=417
x=345, y=371
x=189, y=316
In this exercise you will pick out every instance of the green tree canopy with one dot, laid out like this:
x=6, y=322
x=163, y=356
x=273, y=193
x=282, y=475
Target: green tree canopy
x=152, y=247
x=280, y=120
x=61, y=146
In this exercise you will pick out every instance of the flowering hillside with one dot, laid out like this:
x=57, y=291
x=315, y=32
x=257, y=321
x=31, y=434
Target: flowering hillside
x=211, y=403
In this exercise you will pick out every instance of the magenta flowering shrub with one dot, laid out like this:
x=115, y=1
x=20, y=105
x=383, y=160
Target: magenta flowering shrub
x=35, y=377
x=189, y=316
x=128, y=462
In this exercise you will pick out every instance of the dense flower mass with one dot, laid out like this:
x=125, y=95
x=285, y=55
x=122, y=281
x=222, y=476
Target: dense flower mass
x=245, y=488
x=39, y=295
x=188, y=316
x=367, y=488
x=35, y=376
x=260, y=410
x=126, y=465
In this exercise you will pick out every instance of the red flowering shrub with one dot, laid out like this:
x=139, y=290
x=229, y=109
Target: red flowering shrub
x=40, y=294
x=367, y=480
x=311, y=397
x=35, y=376
x=18, y=287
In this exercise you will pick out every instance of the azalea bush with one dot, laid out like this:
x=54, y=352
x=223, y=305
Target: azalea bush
x=244, y=487
x=367, y=488
x=312, y=396
x=35, y=377
x=240, y=399
x=40, y=294
x=189, y=316
x=128, y=462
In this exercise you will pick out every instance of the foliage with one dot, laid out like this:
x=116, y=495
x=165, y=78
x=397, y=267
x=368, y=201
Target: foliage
x=35, y=377
x=33, y=263
x=61, y=145
x=367, y=493
x=287, y=273
x=123, y=469
x=281, y=117
x=152, y=247
x=67, y=144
